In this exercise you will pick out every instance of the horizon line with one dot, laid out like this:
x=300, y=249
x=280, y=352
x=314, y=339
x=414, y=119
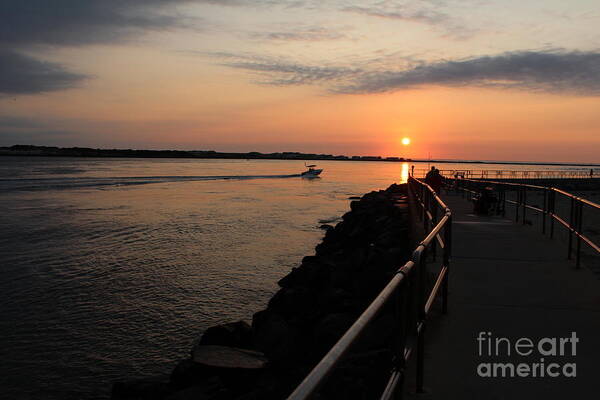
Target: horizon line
x=333, y=157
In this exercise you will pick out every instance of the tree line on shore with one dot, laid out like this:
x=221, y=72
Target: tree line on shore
x=50, y=151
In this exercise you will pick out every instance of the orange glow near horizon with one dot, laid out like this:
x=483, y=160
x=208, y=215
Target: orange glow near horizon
x=507, y=125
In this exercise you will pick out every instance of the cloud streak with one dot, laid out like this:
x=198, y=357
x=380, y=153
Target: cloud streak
x=281, y=72
x=315, y=34
x=555, y=72
x=21, y=74
x=421, y=15
x=27, y=25
x=570, y=72
x=67, y=22
x=422, y=12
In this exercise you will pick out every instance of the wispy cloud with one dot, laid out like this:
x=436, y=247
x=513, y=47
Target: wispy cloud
x=312, y=34
x=21, y=74
x=25, y=26
x=34, y=130
x=424, y=12
x=12, y=122
x=283, y=72
x=400, y=13
x=67, y=22
x=556, y=72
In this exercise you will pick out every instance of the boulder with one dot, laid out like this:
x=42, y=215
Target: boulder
x=330, y=329
x=335, y=300
x=188, y=373
x=140, y=389
x=387, y=239
x=310, y=274
x=228, y=357
x=293, y=301
x=279, y=340
x=341, y=278
x=234, y=334
x=380, y=334
x=212, y=389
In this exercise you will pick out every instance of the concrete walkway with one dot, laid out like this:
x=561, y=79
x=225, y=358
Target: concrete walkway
x=509, y=280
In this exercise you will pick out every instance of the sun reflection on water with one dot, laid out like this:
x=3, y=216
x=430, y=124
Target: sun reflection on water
x=404, y=173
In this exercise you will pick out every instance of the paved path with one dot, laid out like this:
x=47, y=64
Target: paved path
x=509, y=280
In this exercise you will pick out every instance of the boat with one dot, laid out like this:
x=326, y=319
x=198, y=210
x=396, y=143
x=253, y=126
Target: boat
x=311, y=172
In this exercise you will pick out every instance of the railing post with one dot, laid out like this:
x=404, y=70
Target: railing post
x=401, y=332
x=552, y=202
x=433, y=224
x=503, y=194
x=545, y=211
x=517, y=205
x=524, y=203
x=579, y=232
x=418, y=193
x=424, y=211
x=571, y=221
x=421, y=319
x=447, y=255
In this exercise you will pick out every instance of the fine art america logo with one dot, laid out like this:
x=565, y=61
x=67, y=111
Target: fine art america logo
x=540, y=358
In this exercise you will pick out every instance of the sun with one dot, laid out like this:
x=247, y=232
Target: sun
x=405, y=141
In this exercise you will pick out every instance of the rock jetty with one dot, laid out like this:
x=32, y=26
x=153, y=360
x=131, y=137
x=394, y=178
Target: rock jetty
x=317, y=302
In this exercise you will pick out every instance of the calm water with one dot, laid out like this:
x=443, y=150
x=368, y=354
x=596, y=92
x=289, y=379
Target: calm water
x=112, y=267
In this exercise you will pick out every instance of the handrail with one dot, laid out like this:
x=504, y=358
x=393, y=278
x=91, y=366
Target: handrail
x=412, y=275
x=591, y=172
x=574, y=224
x=325, y=367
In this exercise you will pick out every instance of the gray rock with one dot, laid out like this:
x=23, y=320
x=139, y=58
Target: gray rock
x=297, y=300
x=140, y=389
x=188, y=373
x=212, y=389
x=330, y=329
x=275, y=337
x=233, y=334
x=228, y=357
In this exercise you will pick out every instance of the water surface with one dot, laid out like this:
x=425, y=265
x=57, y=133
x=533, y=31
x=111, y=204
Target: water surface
x=112, y=267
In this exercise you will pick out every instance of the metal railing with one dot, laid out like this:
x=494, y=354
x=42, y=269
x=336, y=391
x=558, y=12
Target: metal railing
x=516, y=174
x=549, y=210
x=412, y=300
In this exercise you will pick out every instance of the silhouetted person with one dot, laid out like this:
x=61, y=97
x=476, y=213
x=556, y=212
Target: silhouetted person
x=434, y=179
x=412, y=170
x=484, y=201
x=429, y=174
x=591, y=172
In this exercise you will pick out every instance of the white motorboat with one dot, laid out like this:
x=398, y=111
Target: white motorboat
x=312, y=172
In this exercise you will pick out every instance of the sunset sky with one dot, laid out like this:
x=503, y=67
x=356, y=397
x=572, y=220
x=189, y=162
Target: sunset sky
x=464, y=79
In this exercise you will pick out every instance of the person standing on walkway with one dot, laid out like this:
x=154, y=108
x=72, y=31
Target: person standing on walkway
x=434, y=179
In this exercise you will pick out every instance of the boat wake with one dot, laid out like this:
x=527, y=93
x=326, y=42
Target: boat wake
x=90, y=182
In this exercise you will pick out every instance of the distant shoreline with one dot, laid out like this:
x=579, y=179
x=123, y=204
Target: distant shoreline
x=47, y=151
